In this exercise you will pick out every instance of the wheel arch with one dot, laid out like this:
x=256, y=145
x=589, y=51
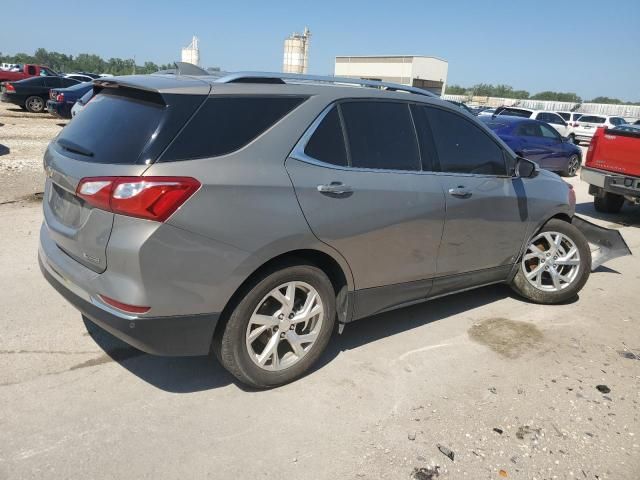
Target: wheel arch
x=564, y=215
x=338, y=273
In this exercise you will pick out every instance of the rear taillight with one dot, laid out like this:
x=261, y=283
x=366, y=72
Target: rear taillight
x=576, y=124
x=60, y=97
x=592, y=147
x=151, y=198
x=9, y=88
x=123, y=306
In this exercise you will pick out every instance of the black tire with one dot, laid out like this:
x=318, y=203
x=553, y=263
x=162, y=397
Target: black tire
x=35, y=104
x=229, y=345
x=573, y=165
x=608, y=203
x=521, y=285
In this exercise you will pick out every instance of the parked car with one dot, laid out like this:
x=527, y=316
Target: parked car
x=537, y=141
x=26, y=71
x=32, y=94
x=81, y=103
x=587, y=125
x=637, y=122
x=572, y=119
x=247, y=215
x=552, y=118
x=62, y=100
x=612, y=169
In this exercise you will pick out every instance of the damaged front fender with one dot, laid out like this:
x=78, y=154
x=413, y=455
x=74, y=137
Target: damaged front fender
x=608, y=242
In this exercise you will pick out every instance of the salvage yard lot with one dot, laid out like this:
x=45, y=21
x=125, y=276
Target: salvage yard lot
x=509, y=388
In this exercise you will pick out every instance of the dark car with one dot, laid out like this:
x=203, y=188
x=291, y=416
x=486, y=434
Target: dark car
x=32, y=93
x=63, y=99
x=537, y=141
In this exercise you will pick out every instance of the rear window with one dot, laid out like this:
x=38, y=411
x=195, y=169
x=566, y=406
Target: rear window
x=591, y=119
x=515, y=112
x=226, y=124
x=617, y=121
x=112, y=129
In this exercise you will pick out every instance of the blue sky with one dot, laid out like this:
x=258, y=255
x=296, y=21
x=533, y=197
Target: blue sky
x=589, y=47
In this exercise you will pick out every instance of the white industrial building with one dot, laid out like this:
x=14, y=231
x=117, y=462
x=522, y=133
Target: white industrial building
x=419, y=71
x=296, y=52
x=191, y=53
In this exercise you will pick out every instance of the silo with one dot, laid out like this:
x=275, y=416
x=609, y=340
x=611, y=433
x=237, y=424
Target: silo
x=296, y=52
x=191, y=53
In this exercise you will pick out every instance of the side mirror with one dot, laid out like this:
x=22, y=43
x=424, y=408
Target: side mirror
x=526, y=168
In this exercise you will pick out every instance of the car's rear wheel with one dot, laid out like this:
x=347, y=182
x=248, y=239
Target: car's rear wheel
x=555, y=265
x=279, y=328
x=35, y=104
x=608, y=203
x=573, y=165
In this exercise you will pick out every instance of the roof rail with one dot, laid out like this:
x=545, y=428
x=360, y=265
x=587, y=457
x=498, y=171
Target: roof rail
x=268, y=77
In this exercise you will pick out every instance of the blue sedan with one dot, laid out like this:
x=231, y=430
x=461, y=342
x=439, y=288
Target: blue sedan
x=62, y=99
x=537, y=141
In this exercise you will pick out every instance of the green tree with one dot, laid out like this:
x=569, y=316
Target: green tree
x=606, y=100
x=455, y=90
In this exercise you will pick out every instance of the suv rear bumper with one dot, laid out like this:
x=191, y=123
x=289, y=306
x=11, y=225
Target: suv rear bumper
x=601, y=181
x=187, y=335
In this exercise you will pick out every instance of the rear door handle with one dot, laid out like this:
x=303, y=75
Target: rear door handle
x=460, y=191
x=335, y=188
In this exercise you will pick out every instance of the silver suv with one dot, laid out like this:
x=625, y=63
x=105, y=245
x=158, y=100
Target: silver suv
x=251, y=215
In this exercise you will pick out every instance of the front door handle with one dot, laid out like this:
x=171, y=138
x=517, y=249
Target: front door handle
x=335, y=188
x=460, y=191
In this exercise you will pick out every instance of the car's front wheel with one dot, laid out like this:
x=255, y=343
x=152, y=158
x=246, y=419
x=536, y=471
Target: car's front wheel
x=555, y=265
x=279, y=328
x=35, y=104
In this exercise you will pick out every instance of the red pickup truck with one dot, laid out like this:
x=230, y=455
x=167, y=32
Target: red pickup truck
x=26, y=71
x=612, y=169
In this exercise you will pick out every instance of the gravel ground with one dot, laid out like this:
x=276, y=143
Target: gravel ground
x=480, y=385
x=24, y=137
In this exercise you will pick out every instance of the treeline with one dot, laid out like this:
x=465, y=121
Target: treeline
x=506, y=91
x=84, y=62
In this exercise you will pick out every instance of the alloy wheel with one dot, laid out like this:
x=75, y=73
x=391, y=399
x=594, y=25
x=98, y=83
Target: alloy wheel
x=36, y=104
x=284, y=326
x=574, y=165
x=551, y=262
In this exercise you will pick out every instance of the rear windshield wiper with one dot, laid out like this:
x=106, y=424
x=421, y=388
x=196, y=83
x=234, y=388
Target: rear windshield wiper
x=74, y=147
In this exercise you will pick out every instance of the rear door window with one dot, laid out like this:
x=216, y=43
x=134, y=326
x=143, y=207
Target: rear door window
x=225, y=124
x=617, y=121
x=565, y=116
x=381, y=135
x=113, y=129
x=464, y=147
x=327, y=142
